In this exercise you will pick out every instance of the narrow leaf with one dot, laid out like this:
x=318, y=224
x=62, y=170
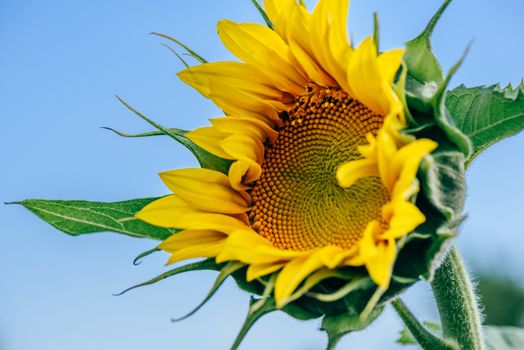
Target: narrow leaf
x=147, y=134
x=208, y=264
x=185, y=47
x=263, y=13
x=205, y=159
x=137, y=260
x=487, y=114
x=180, y=58
x=225, y=272
x=82, y=217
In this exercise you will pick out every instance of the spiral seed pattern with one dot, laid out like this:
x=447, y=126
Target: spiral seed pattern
x=297, y=203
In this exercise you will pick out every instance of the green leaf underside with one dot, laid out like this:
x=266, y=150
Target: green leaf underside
x=487, y=114
x=496, y=337
x=76, y=217
x=205, y=159
x=336, y=326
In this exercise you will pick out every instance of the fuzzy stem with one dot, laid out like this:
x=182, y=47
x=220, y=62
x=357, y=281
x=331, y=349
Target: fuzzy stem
x=457, y=303
x=424, y=338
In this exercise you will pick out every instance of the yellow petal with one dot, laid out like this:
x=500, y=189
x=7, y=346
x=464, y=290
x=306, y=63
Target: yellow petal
x=380, y=267
x=264, y=48
x=260, y=270
x=404, y=218
x=190, y=244
x=209, y=77
x=278, y=12
x=389, y=62
x=243, y=172
x=366, y=246
x=350, y=172
x=329, y=38
x=244, y=146
x=173, y=212
x=205, y=189
x=405, y=164
x=190, y=238
x=208, y=250
x=209, y=138
x=367, y=81
x=292, y=275
x=239, y=125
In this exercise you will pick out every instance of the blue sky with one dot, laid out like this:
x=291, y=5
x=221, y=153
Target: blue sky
x=62, y=62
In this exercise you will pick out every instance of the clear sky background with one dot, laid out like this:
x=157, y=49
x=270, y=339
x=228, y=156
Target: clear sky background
x=62, y=62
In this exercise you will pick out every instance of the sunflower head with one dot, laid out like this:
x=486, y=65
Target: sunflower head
x=344, y=176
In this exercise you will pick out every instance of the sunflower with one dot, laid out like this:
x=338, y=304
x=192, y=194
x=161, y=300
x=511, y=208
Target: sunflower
x=322, y=174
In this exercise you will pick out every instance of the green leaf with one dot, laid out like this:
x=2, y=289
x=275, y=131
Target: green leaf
x=504, y=338
x=487, y=114
x=208, y=264
x=422, y=63
x=82, y=217
x=336, y=326
x=205, y=159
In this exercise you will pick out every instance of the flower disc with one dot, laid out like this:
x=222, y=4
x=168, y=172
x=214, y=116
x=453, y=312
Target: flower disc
x=297, y=202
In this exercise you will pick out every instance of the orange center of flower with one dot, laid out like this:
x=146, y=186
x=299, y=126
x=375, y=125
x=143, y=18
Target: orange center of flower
x=297, y=203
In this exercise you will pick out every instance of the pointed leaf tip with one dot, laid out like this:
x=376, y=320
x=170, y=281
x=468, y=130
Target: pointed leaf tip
x=226, y=271
x=421, y=62
x=205, y=159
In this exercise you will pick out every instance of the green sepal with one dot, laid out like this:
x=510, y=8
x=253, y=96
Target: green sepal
x=225, y=272
x=208, y=264
x=139, y=257
x=336, y=326
x=205, y=159
x=487, y=114
x=422, y=64
x=83, y=217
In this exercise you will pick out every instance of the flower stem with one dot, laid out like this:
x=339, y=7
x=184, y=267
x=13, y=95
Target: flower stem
x=457, y=303
x=425, y=339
